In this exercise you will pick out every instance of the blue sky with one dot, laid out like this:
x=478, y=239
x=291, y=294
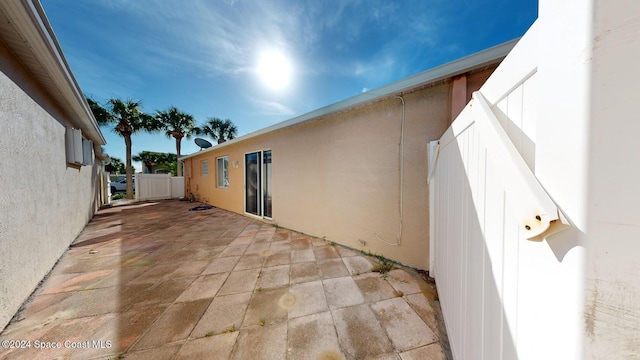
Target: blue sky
x=230, y=58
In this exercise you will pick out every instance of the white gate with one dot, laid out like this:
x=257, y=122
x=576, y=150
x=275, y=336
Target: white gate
x=158, y=186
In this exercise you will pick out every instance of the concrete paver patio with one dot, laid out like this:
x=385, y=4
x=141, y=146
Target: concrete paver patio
x=156, y=281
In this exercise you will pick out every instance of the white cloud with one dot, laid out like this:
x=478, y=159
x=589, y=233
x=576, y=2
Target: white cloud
x=272, y=108
x=226, y=37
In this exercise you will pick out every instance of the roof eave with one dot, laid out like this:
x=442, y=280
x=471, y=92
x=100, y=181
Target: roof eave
x=39, y=45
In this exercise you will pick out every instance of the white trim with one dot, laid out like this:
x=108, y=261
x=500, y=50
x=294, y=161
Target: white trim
x=263, y=174
x=433, y=157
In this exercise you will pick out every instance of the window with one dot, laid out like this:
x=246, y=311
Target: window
x=205, y=167
x=87, y=152
x=223, y=172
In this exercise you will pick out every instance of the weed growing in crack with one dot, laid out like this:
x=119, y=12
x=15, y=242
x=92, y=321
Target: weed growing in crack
x=383, y=266
x=230, y=329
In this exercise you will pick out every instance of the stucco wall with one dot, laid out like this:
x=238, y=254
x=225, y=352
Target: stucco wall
x=586, y=149
x=614, y=196
x=339, y=177
x=43, y=203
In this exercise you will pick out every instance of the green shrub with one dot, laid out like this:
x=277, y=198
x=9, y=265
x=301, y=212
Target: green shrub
x=118, y=196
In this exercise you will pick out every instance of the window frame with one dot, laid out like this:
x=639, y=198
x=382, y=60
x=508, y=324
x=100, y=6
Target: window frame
x=225, y=172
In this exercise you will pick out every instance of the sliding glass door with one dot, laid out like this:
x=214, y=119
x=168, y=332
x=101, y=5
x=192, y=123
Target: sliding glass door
x=258, y=183
x=252, y=181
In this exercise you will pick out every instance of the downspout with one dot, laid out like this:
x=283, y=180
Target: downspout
x=401, y=184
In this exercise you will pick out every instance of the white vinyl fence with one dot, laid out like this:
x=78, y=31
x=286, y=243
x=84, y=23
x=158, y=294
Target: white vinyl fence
x=158, y=186
x=487, y=210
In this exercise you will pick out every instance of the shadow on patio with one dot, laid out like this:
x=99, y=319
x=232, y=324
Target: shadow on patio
x=157, y=281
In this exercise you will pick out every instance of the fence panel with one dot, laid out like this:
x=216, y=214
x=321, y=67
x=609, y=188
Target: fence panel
x=158, y=186
x=177, y=187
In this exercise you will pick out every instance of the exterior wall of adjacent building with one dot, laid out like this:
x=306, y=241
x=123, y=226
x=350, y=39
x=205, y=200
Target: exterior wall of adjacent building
x=592, y=62
x=44, y=203
x=338, y=177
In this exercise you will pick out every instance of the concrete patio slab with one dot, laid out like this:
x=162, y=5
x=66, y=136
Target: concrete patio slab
x=274, y=276
x=262, y=342
x=257, y=248
x=303, y=272
x=422, y=307
x=264, y=307
x=204, y=348
x=402, y=281
x=224, y=314
x=360, y=333
x=203, y=287
x=167, y=352
x=314, y=337
x=332, y=268
x=279, y=258
x=310, y=299
x=357, y=265
x=240, y=281
x=403, y=326
x=280, y=246
x=342, y=292
x=222, y=264
x=431, y=352
x=326, y=252
x=374, y=288
x=249, y=262
x=156, y=281
x=174, y=324
x=298, y=256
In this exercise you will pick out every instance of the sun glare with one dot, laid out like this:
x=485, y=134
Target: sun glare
x=274, y=70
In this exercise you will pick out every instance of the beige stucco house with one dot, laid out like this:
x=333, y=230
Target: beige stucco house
x=50, y=160
x=355, y=172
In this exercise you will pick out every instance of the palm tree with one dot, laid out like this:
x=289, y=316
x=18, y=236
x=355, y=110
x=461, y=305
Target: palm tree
x=149, y=159
x=167, y=162
x=178, y=125
x=116, y=166
x=127, y=119
x=219, y=130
